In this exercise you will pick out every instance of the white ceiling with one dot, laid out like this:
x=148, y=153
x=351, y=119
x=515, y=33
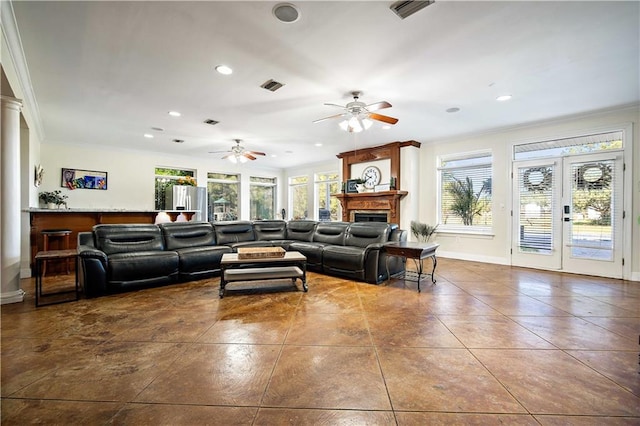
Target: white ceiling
x=105, y=73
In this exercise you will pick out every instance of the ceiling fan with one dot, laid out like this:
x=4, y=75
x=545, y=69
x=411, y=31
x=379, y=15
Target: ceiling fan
x=358, y=115
x=238, y=153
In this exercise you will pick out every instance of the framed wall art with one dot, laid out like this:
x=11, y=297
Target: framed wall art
x=83, y=179
x=351, y=186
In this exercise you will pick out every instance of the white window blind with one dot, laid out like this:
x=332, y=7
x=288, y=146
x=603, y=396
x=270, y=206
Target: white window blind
x=465, y=192
x=569, y=146
x=535, y=215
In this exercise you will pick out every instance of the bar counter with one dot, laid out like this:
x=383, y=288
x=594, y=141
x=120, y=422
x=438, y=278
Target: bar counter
x=80, y=220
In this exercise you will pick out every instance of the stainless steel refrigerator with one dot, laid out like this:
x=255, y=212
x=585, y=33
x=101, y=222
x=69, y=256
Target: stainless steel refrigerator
x=183, y=197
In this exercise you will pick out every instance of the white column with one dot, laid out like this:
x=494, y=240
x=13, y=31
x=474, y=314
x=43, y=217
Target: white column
x=10, y=291
x=409, y=181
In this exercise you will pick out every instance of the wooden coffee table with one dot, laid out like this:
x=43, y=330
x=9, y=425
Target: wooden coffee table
x=293, y=265
x=416, y=251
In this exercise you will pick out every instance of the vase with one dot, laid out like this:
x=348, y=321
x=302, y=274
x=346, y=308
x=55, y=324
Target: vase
x=360, y=187
x=52, y=206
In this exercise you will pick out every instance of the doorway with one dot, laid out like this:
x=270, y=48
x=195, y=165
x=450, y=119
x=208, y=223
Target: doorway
x=568, y=212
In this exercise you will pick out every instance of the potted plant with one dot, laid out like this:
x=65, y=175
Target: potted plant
x=422, y=231
x=53, y=199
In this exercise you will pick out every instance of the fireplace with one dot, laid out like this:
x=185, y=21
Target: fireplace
x=368, y=216
x=385, y=203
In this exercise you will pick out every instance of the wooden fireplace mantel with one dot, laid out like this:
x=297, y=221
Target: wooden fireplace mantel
x=388, y=201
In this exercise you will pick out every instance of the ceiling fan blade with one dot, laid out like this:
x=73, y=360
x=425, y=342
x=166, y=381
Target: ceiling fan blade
x=249, y=156
x=378, y=105
x=339, y=106
x=218, y=152
x=383, y=118
x=227, y=156
x=330, y=117
x=255, y=153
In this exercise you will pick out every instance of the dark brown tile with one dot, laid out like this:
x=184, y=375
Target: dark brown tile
x=552, y=382
x=220, y=374
x=46, y=412
x=410, y=330
x=112, y=371
x=262, y=327
x=156, y=414
x=442, y=380
x=463, y=419
x=278, y=416
x=327, y=377
x=329, y=329
x=492, y=332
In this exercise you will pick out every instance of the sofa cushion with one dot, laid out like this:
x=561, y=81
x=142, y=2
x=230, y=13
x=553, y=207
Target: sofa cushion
x=311, y=250
x=330, y=233
x=200, y=259
x=345, y=258
x=142, y=265
x=270, y=229
x=234, y=232
x=187, y=234
x=361, y=234
x=121, y=238
x=300, y=230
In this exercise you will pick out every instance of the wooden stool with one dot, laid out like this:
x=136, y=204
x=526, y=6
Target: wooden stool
x=41, y=259
x=55, y=233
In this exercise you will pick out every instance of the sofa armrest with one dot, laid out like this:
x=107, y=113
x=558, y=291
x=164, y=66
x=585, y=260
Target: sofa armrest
x=92, y=270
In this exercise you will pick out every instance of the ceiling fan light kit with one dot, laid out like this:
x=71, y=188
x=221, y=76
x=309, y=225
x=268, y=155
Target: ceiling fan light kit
x=358, y=116
x=238, y=154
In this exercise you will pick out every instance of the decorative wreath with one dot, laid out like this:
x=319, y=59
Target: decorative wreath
x=537, y=179
x=593, y=176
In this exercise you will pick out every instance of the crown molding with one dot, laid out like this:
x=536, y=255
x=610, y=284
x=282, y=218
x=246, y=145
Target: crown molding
x=14, y=43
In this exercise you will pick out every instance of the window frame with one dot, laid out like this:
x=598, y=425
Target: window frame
x=167, y=178
x=223, y=181
x=292, y=188
x=476, y=160
x=273, y=185
x=328, y=182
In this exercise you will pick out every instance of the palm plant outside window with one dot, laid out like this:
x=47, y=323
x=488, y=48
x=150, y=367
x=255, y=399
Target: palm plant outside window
x=465, y=192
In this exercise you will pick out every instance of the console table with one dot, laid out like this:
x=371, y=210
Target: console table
x=416, y=251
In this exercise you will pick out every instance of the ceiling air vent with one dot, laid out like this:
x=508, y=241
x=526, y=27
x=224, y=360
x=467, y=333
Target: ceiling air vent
x=210, y=121
x=407, y=8
x=271, y=85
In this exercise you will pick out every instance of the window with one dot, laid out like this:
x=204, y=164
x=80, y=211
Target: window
x=464, y=193
x=569, y=146
x=166, y=177
x=327, y=184
x=298, y=198
x=262, y=198
x=224, y=199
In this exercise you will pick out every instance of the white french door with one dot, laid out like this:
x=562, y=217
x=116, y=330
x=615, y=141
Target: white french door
x=567, y=214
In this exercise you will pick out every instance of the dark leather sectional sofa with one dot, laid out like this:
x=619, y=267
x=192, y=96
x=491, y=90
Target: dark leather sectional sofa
x=115, y=258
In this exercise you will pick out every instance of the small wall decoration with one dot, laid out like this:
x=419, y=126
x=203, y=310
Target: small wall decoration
x=39, y=173
x=83, y=179
x=351, y=185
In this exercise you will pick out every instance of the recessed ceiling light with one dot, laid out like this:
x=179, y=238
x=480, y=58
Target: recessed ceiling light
x=174, y=113
x=452, y=109
x=273, y=155
x=148, y=135
x=224, y=69
x=286, y=12
x=386, y=127
x=318, y=144
x=503, y=98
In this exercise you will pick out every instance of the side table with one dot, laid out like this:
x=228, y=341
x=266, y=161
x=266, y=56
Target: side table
x=415, y=251
x=43, y=256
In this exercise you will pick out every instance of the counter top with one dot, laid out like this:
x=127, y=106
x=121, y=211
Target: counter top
x=102, y=210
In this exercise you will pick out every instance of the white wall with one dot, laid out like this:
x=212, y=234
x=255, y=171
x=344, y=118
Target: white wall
x=496, y=248
x=130, y=175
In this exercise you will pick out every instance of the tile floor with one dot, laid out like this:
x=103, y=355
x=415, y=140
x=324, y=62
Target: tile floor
x=488, y=344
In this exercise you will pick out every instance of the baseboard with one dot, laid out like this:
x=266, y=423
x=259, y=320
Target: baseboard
x=474, y=257
x=15, y=296
x=635, y=276
x=25, y=273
